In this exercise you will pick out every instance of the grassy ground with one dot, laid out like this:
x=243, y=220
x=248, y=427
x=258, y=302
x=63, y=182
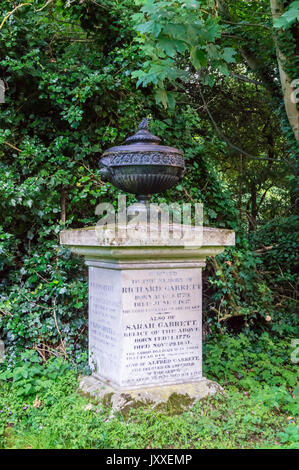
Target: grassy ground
x=254, y=414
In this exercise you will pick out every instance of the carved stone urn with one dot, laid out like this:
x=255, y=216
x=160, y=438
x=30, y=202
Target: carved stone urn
x=142, y=165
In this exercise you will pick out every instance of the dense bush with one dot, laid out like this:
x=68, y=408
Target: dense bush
x=256, y=284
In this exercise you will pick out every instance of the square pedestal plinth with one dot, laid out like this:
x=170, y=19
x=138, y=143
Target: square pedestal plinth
x=145, y=320
x=145, y=325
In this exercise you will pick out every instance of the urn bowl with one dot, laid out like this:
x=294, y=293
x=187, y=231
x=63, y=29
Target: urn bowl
x=142, y=166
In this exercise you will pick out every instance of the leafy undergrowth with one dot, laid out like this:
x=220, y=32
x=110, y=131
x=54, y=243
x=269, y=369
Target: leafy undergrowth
x=41, y=408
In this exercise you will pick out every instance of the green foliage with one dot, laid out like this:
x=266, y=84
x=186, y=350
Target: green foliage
x=290, y=436
x=278, y=398
x=29, y=377
x=255, y=288
x=258, y=416
x=237, y=281
x=250, y=363
x=57, y=116
x=43, y=307
x=290, y=16
x=171, y=31
x=280, y=237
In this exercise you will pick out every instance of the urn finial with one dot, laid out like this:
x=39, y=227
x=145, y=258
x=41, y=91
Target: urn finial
x=143, y=124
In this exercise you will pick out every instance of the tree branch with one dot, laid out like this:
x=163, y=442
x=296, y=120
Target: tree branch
x=12, y=146
x=246, y=24
x=228, y=141
x=11, y=12
x=246, y=79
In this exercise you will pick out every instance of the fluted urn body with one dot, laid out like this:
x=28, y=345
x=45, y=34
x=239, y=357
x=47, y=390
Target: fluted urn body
x=142, y=165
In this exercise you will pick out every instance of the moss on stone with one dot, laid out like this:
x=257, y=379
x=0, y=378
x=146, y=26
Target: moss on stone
x=107, y=399
x=177, y=403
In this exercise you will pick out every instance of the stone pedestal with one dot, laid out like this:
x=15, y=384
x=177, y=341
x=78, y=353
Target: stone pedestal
x=145, y=325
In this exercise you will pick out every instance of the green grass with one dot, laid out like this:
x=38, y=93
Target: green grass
x=253, y=413
x=235, y=420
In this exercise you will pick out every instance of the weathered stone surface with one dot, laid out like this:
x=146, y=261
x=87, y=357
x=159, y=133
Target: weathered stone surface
x=93, y=236
x=145, y=325
x=179, y=397
x=123, y=251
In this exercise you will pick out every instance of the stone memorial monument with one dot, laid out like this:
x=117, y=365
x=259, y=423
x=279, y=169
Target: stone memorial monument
x=145, y=283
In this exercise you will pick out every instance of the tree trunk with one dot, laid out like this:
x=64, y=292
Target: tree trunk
x=287, y=89
x=253, y=215
x=240, y=187
x=63, y=206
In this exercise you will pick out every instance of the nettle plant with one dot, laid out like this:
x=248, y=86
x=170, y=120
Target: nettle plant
x=29, y=377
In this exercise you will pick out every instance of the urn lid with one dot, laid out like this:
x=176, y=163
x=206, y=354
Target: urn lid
x=143, y=135
x=142, y=141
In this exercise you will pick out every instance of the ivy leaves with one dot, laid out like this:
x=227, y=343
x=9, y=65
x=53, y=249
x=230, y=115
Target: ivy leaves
x=178, y=39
